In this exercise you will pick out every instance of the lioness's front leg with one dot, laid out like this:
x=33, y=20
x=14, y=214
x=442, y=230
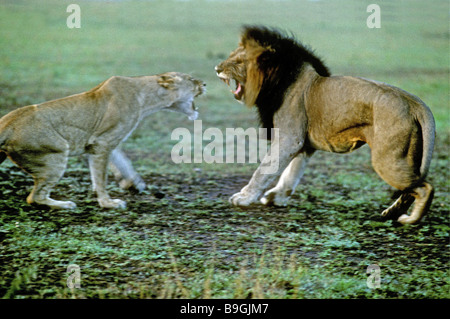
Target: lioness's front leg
x=271, y=167
x=124, y=172
x=97, y=164
x=280, y=194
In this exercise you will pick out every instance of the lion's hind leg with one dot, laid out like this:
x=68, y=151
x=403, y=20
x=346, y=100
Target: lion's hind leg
x=421, y=196
x=400, y=166
x=400, y=206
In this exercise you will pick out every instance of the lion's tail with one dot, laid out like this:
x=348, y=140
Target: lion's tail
x=428, y=126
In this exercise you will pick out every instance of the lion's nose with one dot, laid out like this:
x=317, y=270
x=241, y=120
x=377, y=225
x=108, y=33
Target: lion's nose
x=218, y=69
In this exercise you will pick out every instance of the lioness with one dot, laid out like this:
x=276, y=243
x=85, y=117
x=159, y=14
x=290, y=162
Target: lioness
x=294, y=92
x=40, y=138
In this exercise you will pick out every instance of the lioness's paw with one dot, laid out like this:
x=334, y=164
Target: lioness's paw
x=53, y=204
x=137, y=185
x=273, y=197
x=112, y=203
x=140, y=187
x=66, y=205
x=242, y=199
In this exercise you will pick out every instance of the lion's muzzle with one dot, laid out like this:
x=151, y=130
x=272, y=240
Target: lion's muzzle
x=238, y=92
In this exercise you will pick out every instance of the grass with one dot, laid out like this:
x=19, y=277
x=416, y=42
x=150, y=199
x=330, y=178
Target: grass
x=181, y=238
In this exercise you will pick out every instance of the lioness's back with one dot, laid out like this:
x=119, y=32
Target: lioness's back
x=15, y=118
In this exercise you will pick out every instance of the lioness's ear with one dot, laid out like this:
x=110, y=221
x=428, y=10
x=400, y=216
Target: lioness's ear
x=166, y=81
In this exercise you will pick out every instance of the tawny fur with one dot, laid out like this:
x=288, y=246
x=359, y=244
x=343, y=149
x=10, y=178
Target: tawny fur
x=316, y=111
x=40, y=138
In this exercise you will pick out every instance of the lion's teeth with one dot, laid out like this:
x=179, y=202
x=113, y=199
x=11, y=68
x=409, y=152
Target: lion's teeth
x=225, y=80
x=238, y=89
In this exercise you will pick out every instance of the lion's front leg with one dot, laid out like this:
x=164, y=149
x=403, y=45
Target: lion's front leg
x=271, y=167
x=124, y=172
x=245, y=197
x=280, y=194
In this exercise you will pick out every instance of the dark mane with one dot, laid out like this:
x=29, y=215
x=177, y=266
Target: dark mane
x=281, y=64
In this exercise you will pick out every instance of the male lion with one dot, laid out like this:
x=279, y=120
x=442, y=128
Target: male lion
x=294, y=92
x=40, y=138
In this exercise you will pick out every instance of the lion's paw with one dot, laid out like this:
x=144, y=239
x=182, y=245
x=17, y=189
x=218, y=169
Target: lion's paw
x=406, y=220
x=391, y=213
x=274, y=197
x=242, y=199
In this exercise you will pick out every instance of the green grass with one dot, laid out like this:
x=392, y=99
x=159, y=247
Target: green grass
x=181, y=238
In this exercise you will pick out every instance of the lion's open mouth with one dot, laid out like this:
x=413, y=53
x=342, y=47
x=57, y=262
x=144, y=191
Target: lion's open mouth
x=239, y=91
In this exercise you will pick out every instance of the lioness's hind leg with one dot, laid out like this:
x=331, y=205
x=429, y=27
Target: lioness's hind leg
x=37, y=196
x=47, y=172
x=423, y=197
x=124, y=173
